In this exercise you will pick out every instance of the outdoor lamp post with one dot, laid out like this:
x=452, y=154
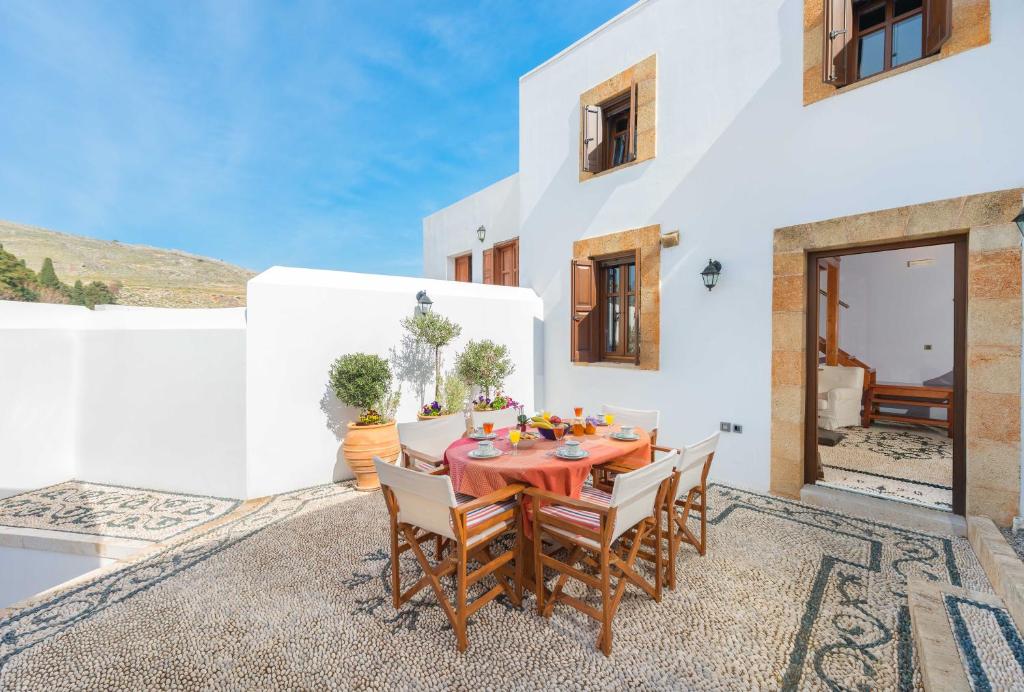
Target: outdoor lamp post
x=424, y=301
x=481, y=233
x=710, y=273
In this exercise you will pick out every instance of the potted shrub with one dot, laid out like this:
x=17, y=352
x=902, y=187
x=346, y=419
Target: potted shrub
x=454, y=393
x=484, y=364
x=436, y=331
x=363, y=381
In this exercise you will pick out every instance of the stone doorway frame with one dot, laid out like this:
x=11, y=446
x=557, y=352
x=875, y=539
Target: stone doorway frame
x=993, y=334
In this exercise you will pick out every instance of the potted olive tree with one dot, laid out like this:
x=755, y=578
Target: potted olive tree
x=435, y=331
x=484, y=364
x=363, y=380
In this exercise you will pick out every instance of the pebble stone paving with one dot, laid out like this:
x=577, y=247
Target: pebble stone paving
x=295, y=595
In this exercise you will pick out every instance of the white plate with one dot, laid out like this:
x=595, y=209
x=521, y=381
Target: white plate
x=625, y=438
x=482, y=436
x=571, y=457
x=476, y=454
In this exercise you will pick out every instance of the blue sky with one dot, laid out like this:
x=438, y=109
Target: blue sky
x=312, y=134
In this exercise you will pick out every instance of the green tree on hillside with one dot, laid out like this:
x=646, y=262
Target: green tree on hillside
x=17, y=282
x=48, y=277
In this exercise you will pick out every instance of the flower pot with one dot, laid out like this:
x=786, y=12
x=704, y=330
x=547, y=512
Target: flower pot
x=420, y=416
x=362, y=443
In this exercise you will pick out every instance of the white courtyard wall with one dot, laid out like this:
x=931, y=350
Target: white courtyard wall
x=144, y=397
x=738, y=155
x=300, y=320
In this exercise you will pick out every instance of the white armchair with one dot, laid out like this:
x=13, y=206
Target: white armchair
x=840, y=391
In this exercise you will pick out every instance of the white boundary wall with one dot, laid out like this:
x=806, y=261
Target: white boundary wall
x=145, y=397
x=300, y=320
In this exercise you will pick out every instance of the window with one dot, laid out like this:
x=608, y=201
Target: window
x=617, y=305
x=501, y=264
x=868, y=37
x=606, y=309
x=609, y=137
x=464, y=268
x=618, y=120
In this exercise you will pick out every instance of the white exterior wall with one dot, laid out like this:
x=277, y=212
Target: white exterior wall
x=738, y=155
x=452, y=231
x=300, y=320
x=143, y=397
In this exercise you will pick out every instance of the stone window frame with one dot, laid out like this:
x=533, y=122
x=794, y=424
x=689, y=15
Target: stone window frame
x=971, y=24
x=647, y=240
x=993, y=353
x=644, y=74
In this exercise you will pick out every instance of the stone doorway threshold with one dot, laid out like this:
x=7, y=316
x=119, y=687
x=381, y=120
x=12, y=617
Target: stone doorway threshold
x=885, y=510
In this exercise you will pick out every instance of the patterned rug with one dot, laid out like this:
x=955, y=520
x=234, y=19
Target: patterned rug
x=112, y=511
x=911, y=464
x=295, y=594
x=989, y=644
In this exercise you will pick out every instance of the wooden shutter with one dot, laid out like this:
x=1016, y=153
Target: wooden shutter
x=838, y=70
x=514, y=252
x=464, y=268
x=636, y=288
x=632, y=120
x=489, y=266
x=592, y=138
x=583, y=297
x=938, y=17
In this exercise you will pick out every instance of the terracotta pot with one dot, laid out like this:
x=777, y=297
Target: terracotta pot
x=362, y=443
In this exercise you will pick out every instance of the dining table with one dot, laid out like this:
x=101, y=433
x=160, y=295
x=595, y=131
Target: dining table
x=537, y=464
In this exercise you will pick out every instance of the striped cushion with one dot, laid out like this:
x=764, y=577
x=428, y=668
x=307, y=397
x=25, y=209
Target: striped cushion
x=420, y=465
x=582, y=517
x=482, y=514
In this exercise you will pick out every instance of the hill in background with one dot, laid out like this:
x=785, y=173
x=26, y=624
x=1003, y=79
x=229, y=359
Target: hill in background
x=148, y=276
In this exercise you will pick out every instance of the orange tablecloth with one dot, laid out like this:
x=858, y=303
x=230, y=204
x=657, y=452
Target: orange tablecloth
x=535, y=467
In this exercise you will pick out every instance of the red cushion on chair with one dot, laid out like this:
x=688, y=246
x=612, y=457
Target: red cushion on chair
x=581, y=517
x=482, y=514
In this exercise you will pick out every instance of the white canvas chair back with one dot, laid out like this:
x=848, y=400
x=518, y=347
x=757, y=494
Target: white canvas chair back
x=646, y=420
x=423, y=501
x=431, y=437
x=505, y=418
x=634, y=493
x=691, y=464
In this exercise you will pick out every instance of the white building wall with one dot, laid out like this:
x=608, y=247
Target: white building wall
x=453, y=231
x=738, y=155
x=300, y=320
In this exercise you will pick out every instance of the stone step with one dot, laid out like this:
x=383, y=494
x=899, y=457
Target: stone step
x=965, y=640
x=1004, y=569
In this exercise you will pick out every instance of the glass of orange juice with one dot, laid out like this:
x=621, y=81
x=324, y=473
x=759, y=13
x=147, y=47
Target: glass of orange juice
x=609, y=419
x=513, y=437
x=488, y=427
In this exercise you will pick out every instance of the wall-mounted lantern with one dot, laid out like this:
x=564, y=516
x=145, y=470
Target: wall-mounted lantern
x=424, y=301
x=711, y=273
x=481, y=233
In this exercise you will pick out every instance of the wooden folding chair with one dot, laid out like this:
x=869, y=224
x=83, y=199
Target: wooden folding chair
x=589, y=529
x=424, y=442
x=689, y=484
x=645, y=420
x=424, y=506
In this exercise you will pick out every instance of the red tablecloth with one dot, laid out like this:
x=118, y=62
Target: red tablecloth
x=536, y=466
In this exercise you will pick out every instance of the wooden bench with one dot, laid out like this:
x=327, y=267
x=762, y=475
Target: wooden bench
x=894, y=395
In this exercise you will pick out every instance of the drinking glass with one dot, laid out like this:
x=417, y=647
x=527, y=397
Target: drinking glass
x=578, y=411
x=609, y=418
x=488, y=428
x=513, y=437
x=559, y=430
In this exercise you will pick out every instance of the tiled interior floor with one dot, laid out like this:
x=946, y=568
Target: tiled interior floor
x=899, y=462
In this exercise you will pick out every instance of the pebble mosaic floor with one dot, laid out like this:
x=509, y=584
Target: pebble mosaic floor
x=989, y=644
x=111, y=511
x=907, y=463
x=295, y=594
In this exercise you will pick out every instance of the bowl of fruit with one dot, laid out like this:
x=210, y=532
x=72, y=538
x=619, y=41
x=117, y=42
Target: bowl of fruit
x=546, y=425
